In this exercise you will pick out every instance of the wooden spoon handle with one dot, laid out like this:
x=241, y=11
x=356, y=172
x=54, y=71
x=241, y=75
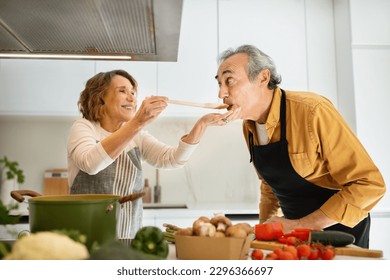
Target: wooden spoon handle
x=201, y=105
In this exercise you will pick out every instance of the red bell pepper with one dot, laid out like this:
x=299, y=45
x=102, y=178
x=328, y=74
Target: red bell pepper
x=269, y=231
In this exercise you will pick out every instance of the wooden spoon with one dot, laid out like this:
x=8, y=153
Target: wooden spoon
x=201, y=105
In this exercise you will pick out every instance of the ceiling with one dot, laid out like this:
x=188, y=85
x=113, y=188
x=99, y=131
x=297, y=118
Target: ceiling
x=146, y=30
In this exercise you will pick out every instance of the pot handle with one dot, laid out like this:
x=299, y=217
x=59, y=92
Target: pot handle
x=131, y=197
x=19, y=195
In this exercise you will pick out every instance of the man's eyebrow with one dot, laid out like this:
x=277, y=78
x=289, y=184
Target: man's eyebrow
x=223, y=73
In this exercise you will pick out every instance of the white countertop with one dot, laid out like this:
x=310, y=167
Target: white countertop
x=179, y=208
x=197, y=209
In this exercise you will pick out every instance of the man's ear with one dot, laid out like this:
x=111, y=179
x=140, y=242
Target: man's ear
x=264, y=77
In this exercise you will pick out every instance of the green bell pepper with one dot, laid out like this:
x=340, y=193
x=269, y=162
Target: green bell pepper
x=150, y=240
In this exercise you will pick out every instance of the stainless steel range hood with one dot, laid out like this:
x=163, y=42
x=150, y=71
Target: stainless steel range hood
x=145, y=30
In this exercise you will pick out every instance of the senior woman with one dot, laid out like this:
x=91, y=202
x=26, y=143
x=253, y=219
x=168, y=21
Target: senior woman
x=107, y=146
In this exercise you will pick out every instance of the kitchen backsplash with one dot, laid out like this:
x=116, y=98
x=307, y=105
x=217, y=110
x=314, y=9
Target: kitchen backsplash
x=218, y=171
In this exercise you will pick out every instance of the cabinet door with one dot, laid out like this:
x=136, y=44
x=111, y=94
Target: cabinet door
x=191, y=78
x=42, y=87
x=275, y=27
x=298, y=35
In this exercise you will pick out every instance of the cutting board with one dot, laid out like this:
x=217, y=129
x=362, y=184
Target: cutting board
x=345, y=251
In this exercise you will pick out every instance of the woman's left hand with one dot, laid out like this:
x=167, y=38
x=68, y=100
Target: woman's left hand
x=213, y=119
x=216, y=119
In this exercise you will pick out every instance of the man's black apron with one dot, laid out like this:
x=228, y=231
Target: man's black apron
x=297, y=196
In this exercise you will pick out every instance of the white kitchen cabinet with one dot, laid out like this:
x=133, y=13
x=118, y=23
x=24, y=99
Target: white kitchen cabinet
x=370, y=22
x=191, y=78
x=42, y=87
x=275, y=27
x=297, y=34
x=52, y=87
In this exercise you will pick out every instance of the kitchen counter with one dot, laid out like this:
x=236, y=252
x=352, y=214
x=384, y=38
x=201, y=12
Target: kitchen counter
x=157, y=215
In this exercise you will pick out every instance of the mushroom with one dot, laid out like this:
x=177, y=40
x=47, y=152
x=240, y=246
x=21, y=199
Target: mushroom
x=219, y=234
x=221, y=222
x=248, y=228
x=236, y=231
x=203, y=227
x=200, y=220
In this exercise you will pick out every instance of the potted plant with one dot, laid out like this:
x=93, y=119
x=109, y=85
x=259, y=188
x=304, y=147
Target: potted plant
x=11, y=176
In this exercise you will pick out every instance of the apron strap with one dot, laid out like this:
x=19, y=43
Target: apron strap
x=250, y=146
x=283, y=116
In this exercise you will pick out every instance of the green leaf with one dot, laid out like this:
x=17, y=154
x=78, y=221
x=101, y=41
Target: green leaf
x=5, y=217
x=12, y=170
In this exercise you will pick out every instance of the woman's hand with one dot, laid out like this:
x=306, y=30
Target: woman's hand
x=213, y=119
x=150, y=109
x=216, y=119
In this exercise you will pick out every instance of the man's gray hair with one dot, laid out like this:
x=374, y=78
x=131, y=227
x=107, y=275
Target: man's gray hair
x=258, y=61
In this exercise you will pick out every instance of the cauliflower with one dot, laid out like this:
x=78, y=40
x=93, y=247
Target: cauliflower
x=47, y=245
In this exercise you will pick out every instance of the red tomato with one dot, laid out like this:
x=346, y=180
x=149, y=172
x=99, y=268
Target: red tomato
x=314, y=254
x=328, y=253
x=282, y=239
x=293, y=250
x=270, y=231
x=271, y=256
x=292, y=240
x=277, y=251
x=304, y=251
x=285, y=255
x=257, y=254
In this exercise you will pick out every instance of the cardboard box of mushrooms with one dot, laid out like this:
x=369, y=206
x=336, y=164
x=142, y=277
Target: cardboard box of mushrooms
x=215, y=238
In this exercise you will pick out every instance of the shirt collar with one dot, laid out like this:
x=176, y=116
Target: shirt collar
x=274, y=112
x=273, y=115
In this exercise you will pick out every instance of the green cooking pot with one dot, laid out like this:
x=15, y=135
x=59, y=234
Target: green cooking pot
x=94, y=215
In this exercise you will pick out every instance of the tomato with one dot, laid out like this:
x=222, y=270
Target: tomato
x=271, y=256
x=292, y=240
x=319, y=248
x=277, y=251
x=257, y=254
x=286, y=255
x=304, y=251
x=328, y=253
x=270, y=231
x=314, y=254
x=282, y=239
x=293, y=250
